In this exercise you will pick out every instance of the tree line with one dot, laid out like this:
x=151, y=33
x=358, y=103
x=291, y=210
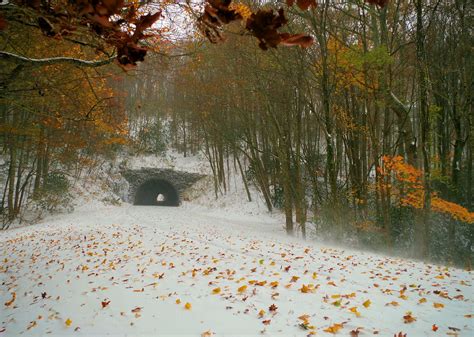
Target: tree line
x=366, y=135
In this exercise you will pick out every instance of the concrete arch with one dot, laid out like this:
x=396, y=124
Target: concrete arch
x=157, y=192
x=157, y=179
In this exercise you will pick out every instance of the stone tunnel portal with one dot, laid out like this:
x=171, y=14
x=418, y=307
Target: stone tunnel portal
x=157, y=192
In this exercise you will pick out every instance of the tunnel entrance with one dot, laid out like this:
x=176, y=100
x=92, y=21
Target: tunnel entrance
x=156, y=192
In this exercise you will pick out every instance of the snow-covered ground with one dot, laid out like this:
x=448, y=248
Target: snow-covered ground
x=211, y=268
x=161, y=271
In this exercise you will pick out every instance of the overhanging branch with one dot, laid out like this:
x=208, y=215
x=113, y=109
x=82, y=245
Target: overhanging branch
x=18, y=59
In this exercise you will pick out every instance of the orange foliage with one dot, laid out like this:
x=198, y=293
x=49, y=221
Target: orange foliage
x=411, y=191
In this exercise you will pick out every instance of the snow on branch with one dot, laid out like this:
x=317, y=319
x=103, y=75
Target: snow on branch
x=18, y=59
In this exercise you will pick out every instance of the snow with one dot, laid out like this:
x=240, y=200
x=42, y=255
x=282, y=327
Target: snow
x=143, y=259
x=107, y=270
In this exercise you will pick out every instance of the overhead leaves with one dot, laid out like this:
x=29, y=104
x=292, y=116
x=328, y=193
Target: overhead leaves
x=263, y=24
x=104, y=19
x=302, y=4
x=380, y=3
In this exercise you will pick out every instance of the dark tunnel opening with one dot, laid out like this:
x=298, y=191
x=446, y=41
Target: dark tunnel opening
x=156, y=192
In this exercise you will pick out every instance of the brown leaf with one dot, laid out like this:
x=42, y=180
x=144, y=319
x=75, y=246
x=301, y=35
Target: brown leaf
x=301, y=40
x=273, y=307
x=305, y=4
x=136, y=310
x=144, y=22
x=10, y=302
x=3, y=23
x=380, y=3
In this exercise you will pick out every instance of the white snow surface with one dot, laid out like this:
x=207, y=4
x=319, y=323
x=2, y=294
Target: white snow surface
x=144, y=259
x=130, y=270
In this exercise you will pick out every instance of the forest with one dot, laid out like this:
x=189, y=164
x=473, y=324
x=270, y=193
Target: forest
x=353, y=118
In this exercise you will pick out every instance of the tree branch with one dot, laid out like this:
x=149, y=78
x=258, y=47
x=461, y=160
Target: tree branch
x=18, y=59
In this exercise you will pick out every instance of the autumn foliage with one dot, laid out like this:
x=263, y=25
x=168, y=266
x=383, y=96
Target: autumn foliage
x=263, y=24
x=408, y=188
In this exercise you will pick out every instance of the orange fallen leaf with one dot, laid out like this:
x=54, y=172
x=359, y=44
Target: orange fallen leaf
x=178, y=301
x=393, y=303
x=304, y=317
x=261, y=313
x=294, y=278
x=434, y=327
x=8, y=303
x=334, y=328
x=367, y=303
x=187, y=306
x=354, y=310
x=274, y=284
x=408, y=318
x=68, y=322
x=207, y=333
x=266, y=322
x=242, y=289
x=307, y=288
x=422, y=300
x=438, y=305
x=216, y=290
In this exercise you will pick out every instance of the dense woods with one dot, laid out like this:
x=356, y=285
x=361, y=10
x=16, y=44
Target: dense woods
x=363, y=136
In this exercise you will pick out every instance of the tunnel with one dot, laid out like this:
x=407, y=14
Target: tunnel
x=156, y=192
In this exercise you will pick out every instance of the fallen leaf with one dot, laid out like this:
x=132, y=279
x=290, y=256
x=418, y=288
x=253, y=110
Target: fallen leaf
x=216, y=290
x=207, y=333
x=408, y=318
x=187, y=306
x=334, y=328
x=355, y=333
x=68, y=322
x=304, y=317
x=8, y=303
x=438, y=305
x=31, y=325
x=266, y=322
x=273, y=307
x=105, y=303
x=242, y=289
x=367, y=303
x=354, y=310
x=434, y=327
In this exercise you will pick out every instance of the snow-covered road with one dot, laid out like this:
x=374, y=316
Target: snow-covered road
x=161, y=271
